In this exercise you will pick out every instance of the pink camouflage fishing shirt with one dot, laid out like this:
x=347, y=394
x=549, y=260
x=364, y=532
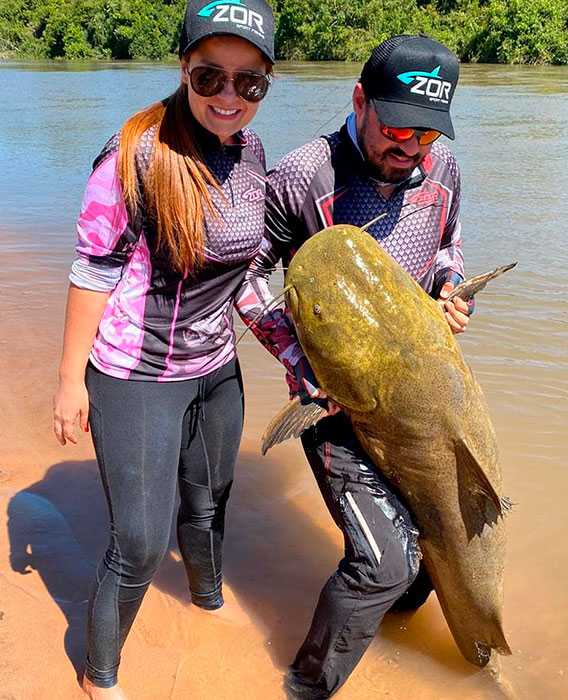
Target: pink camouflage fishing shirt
x=158, y=325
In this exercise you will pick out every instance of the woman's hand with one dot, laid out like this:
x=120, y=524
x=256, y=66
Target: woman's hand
x=308, y=385
x=71, y=401
x=332, y=407
x=456, y=311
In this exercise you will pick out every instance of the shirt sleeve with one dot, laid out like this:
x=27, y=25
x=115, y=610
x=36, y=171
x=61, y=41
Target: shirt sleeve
x=104, y=238
x=449, y=264
x=274, y=328
x=450, y=255
x=258, y=148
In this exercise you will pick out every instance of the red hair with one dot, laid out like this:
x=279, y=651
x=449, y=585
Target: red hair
x=176, y=183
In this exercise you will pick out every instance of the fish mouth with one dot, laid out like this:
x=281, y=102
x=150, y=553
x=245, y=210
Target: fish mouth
x=293, y=304
x=292, y=300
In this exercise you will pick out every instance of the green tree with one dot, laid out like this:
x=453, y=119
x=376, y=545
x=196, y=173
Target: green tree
x=524, y=31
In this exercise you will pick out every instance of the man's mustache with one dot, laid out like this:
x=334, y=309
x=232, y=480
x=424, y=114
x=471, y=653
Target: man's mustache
x=401, y=154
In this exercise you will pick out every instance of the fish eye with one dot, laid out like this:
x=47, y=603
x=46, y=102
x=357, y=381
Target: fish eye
x=317, y=309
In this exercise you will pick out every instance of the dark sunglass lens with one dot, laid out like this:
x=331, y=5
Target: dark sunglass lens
x=250, y=86
x=207, y=81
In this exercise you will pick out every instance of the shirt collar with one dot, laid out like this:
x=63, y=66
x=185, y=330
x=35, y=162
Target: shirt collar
x=240, y=139
x=351, y=125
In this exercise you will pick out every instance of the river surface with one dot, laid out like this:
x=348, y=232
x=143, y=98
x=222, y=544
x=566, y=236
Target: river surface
x=512, y=145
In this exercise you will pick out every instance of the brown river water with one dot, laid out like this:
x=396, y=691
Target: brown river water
x=512, y=144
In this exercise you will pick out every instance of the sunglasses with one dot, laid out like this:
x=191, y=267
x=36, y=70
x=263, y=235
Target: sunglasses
x=207, y=81
x=397, y=135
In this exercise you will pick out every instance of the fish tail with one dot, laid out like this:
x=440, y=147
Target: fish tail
x=467, y=289
x=291, y=421
x=493, y=640
x=507, y=504
x=499, y=643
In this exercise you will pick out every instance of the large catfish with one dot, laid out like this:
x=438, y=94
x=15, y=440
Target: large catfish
x=381, y=348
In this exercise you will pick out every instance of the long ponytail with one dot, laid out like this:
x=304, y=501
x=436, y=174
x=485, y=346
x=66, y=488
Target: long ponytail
x=176, y=182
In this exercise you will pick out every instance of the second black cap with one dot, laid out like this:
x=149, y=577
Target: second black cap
x=411, y=81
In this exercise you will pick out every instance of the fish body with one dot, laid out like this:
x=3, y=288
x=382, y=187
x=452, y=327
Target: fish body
x=381, y=348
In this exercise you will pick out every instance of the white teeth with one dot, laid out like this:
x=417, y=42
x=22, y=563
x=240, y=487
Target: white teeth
x=225, y=112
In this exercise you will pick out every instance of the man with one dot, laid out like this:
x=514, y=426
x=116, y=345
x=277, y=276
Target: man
x=385, y=163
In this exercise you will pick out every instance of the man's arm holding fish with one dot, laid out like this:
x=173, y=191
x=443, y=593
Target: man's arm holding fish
x=275, y=330
x=273, y=327
x=449, y=267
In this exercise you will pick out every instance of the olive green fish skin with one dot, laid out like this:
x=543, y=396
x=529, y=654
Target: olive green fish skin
x=382, y=349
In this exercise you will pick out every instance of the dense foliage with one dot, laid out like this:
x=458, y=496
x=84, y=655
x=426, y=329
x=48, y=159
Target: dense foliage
x=503, y=31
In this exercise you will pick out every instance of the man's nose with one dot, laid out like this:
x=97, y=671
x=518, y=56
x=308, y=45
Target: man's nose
x=411, y=147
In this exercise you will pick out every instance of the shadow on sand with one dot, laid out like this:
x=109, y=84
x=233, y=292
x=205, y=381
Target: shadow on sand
x=276, y=557
x=58, y=527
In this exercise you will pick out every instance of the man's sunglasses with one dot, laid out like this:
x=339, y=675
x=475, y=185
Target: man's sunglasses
x=397, y=135
x=207, y=81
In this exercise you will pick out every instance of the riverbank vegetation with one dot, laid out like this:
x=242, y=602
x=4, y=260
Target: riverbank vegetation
x=488, y=31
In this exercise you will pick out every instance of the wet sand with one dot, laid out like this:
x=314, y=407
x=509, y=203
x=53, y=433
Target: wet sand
x=281, y=544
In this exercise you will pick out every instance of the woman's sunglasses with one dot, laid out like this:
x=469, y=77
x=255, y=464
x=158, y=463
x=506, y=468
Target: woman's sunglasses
x=424, y=137
x=207, y=81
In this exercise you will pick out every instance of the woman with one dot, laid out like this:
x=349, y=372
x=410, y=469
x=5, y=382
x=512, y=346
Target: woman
x=172, y=215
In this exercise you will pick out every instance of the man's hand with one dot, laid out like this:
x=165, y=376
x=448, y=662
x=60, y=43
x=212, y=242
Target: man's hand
x=456, y=311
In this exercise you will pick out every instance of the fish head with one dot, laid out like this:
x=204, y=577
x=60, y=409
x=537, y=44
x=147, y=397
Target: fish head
x=361, y=319
x=343, y=300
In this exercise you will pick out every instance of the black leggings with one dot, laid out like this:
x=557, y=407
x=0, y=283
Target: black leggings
x=150, y=436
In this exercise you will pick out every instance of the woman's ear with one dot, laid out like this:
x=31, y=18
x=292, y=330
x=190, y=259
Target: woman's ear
x=184, y=66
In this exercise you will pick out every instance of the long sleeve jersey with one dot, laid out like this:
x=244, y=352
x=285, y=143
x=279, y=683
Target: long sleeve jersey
x=327, y=182
x=159, y=325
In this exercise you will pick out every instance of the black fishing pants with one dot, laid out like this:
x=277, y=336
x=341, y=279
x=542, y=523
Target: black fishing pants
x=150, y=437
x=381, y=560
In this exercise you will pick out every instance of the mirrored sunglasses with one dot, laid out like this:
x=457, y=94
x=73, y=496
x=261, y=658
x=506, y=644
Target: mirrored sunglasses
x=208, y=81
x=397, y=135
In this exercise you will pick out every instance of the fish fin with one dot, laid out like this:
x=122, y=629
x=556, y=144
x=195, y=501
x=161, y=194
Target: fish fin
x=479, y=503
x=507, y=504
x=291, y=421
x=467, y=289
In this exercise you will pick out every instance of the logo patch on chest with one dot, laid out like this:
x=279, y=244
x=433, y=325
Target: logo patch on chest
x=423, y=199
x=253, y=194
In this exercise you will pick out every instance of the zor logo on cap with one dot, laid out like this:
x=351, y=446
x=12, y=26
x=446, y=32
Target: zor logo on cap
x=234, y=11
x=429, y=84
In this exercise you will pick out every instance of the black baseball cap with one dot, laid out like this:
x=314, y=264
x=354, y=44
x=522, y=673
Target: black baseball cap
x=249, y=19
x=411, y=81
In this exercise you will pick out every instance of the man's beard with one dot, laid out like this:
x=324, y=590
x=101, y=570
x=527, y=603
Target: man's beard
x=387, y=173
x=377, y=164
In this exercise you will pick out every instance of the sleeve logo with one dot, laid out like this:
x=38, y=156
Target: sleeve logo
x=428, y=84
x=234, y=11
